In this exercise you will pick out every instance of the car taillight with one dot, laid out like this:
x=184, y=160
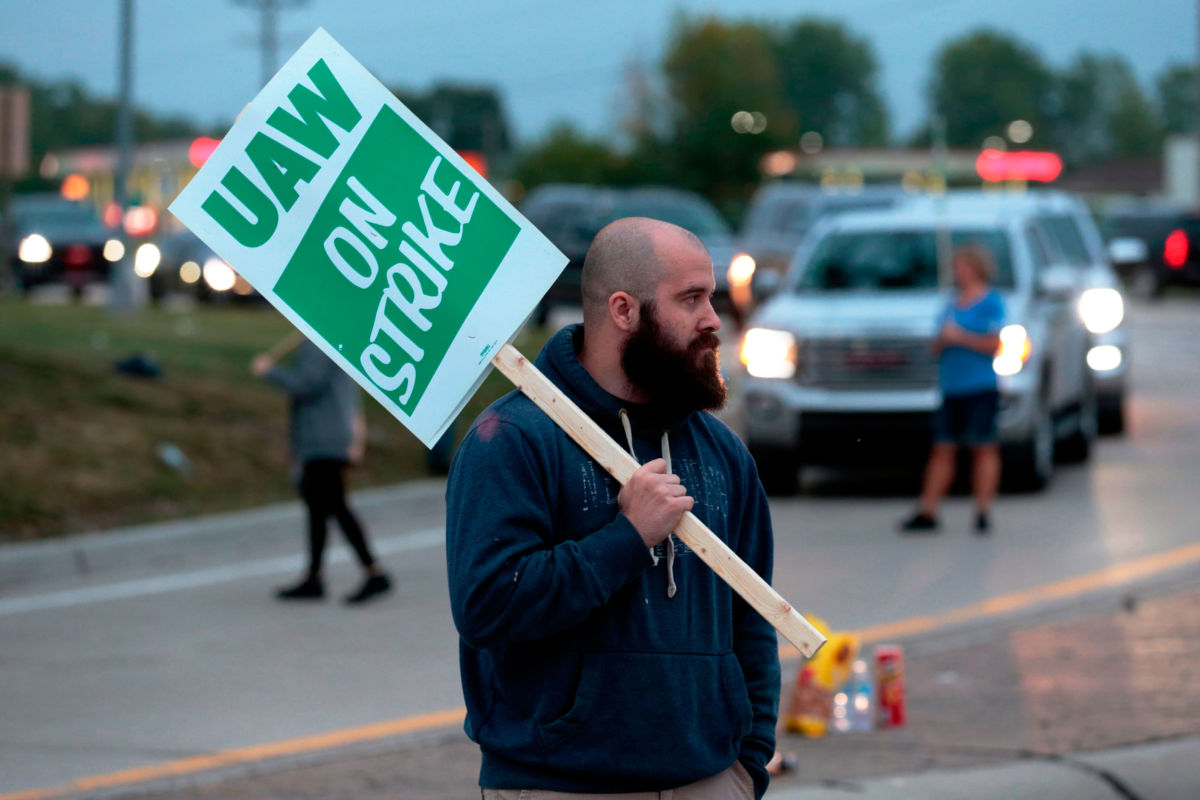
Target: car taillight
x=1175, y=250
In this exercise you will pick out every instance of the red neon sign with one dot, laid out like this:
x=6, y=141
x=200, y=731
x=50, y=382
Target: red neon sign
x=1018, y=165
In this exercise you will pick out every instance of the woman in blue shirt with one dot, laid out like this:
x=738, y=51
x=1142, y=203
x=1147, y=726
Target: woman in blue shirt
x=966, y=345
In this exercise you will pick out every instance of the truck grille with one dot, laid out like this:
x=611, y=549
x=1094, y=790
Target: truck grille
x=869, y=363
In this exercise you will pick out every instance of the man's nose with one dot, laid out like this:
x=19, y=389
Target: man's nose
x=711, y=321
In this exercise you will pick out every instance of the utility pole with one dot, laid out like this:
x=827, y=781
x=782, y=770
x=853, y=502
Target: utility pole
x=268, y=34
x=121, y=291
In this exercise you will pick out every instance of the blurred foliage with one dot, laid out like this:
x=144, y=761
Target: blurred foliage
x=984, y=81
x=1092, y=110
x=1100, y=112
x=714, y=70
x=811, y=75
x=78, y=440
x=1177, y=99
x=466, y=117
x=567, y=156
x=829, y=83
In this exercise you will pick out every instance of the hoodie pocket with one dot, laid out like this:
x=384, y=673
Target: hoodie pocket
x=666, y=717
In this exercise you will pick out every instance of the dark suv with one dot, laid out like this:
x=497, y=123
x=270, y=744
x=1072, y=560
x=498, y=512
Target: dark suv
x=57, y=241
x=1172, y=240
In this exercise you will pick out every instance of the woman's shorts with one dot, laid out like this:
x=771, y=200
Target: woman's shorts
x=968, y=419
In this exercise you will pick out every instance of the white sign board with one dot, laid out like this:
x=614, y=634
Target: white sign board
x=371, y=235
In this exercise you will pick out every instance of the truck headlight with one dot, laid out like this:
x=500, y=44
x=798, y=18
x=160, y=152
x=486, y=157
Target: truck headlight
x=1015, y=349
x=769, y=353
x=35, y=249
x=741, y=269
x=1101, y=309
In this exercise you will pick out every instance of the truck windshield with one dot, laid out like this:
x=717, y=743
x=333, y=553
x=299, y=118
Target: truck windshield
x=1065, y=233
x=876, y=261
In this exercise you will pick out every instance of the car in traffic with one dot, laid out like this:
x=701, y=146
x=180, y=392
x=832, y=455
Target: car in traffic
x=1171, y=246
x=782, y=213
x=572, y=214
x=189, y=267
x=838, y=362
x=54, y=240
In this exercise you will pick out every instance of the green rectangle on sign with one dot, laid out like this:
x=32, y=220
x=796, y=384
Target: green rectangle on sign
x=395, y=259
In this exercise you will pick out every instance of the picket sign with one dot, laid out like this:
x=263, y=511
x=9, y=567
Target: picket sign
x=400, y=262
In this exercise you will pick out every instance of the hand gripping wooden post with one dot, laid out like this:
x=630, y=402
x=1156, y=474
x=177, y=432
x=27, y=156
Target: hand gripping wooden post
x=621, y=465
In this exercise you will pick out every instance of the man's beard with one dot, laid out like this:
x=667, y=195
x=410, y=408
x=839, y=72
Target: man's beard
x=678, y=381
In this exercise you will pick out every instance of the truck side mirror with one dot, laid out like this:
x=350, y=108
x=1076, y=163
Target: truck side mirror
x=1057, y=282
x=765, y=283
x=1127, y=251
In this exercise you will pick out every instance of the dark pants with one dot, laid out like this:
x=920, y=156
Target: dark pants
x=968, y=419
x=323, y=487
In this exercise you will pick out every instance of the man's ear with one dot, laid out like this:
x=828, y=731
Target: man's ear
x=625, y=311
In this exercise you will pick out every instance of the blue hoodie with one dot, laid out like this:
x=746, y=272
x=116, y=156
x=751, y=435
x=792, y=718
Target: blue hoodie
x=580, y=674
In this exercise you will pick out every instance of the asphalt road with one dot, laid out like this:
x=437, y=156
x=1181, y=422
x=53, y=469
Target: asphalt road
x=164, y=645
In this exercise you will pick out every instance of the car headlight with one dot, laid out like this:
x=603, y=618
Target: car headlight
x=189, y=272
x=35, y=249
x=114, y=250
x=741, y=269
x=1101, y=309
x=1104, y=358
x=769, y=353
x=1015, y=349
x=146, y=260
x=219, y=276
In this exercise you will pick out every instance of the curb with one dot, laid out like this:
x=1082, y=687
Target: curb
x=153, y=543
x=1156, y=771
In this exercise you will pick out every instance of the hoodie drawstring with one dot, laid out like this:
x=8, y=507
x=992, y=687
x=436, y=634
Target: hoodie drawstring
x=670, y=543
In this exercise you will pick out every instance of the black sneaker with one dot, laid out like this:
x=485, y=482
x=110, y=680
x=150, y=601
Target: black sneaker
x=307, y=589
x=919, y=523
x=372, y=586
x=982, y=525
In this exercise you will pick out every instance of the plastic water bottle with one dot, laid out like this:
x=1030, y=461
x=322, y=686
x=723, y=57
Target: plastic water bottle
x=860, y=711
x=839, y=712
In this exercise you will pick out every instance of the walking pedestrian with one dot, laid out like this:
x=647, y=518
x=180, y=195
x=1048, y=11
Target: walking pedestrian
x=324, y=431
x=966, y=343
x=599, y=655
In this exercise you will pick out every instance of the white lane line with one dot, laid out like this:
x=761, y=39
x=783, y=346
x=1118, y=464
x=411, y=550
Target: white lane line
x=288, y=511
x=140, y=587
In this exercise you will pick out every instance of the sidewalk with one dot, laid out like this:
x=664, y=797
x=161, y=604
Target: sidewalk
x=1100, y=701
x=203, y=541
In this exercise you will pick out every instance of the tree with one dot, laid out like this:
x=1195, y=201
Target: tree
x=466, y=117
x=1133, y=125
x=714, y=71
x=829, y=83
x=1100, y=112
x=986, y=80
x=1177, y=99
x=566, y=156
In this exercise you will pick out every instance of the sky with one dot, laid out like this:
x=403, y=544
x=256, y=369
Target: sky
x=553, y=60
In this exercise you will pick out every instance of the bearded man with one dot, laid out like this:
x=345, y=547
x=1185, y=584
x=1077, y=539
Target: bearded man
x=599, y=655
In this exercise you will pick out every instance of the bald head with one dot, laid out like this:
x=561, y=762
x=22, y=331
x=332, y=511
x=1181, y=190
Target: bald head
x=631, y=255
